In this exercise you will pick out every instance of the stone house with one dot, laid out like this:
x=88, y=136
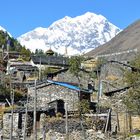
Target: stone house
x=50, y=91
x=19, y=122
x=44, y=61
x=21, y=70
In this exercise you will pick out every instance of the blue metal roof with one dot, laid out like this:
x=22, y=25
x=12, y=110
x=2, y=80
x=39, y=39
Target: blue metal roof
x=64, y=85
x=69, y=86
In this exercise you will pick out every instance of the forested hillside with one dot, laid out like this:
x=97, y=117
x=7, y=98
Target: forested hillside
x=14, y=45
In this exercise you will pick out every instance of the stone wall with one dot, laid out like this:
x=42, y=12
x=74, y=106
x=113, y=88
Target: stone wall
x=68, y=77
x=51, y=93
x=18, y=125
x=112, y=77
x=7, y=124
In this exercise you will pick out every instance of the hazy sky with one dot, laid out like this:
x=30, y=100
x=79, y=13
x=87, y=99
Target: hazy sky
x=21, y=16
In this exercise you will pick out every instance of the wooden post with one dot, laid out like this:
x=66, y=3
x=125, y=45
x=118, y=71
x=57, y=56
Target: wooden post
x=99, y=89
x=66, y=114
x=98, y=75
x=130, y=122
x=35, y=104
x=118, y=123
x=126, y=121
x=44, y=133
x=12, y=113
x=40, y=68
x=25, y=121
x=108, y=119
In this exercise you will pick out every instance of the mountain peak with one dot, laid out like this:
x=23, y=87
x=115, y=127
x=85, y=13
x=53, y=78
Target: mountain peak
x=92, y=16
x=89, y=14
x=76, y=35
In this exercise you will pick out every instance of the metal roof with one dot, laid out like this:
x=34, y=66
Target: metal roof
x=50, y=60
x=47, y=82
x=70, y=86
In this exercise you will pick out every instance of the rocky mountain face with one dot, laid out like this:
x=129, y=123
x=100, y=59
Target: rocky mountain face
x=71, y=36
x=124, y=45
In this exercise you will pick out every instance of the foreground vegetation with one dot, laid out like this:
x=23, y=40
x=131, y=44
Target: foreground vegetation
x=132, y=79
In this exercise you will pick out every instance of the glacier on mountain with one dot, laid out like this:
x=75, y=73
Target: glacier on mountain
x=71, y=36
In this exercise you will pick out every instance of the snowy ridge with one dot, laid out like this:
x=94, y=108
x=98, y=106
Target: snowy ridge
x=1, y=28
x=72, y=35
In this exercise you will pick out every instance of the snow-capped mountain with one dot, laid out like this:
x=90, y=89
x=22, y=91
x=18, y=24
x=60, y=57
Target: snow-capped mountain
x=71, y=35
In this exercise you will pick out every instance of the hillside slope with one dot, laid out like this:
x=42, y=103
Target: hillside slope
x=128, y=39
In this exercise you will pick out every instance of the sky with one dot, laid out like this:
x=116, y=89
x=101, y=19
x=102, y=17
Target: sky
x=21, y=16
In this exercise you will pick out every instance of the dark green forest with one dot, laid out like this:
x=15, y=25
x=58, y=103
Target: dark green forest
x=8, y=43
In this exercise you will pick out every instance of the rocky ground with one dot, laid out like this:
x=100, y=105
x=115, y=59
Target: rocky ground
x=90, y=134
x=56, y=130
